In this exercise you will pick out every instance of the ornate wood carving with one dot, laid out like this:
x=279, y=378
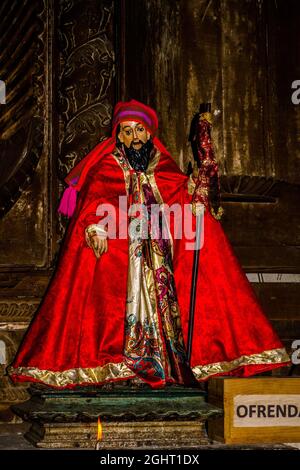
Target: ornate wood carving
x=27, y=238
x=17, y=310
x=26, y=142
x=10, y=393
x=86, y=91
x=22, y=119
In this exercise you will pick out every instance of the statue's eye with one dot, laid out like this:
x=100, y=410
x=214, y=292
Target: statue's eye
x=129, y=132
x=141, y=129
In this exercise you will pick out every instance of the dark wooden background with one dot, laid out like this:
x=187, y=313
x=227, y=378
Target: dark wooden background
x=65, y=64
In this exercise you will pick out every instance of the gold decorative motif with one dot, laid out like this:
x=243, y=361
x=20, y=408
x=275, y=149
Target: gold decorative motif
x=10, y=394
x=10, y=311
x=198, y=208
x=78, y=376
x=191, y=185
x=122, y=161
x=206, y=117
x=203, y=191
x=273, y=356
x=217, y=215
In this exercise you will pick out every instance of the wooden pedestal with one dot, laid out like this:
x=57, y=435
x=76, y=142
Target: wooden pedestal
x=256, y=410
x=119, y=435
x=131, y=419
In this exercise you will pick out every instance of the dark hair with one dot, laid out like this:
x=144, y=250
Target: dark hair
x=118, y=142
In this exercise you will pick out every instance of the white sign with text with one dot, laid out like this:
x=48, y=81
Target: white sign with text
x=266, y=410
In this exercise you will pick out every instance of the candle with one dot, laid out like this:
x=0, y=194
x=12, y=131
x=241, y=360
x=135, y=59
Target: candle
x=99, y=434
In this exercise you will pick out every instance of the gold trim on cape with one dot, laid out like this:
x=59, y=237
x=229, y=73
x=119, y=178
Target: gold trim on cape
x=78, y=376
x=120, y=371
x=273, y=356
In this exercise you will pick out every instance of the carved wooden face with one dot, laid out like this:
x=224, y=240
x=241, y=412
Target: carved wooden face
x=133, y=134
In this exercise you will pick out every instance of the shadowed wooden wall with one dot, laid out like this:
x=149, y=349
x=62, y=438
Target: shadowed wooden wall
x=242, y=57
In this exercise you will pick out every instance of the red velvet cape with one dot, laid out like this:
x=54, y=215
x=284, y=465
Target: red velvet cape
x=80, y=323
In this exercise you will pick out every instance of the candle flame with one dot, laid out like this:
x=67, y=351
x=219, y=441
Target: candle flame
x=99, y=433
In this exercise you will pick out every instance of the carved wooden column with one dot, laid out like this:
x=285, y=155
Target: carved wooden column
x=26, y=182
x=58, y=63
x=87, y=73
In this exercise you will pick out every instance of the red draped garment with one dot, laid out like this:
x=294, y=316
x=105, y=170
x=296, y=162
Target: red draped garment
x=78, y=334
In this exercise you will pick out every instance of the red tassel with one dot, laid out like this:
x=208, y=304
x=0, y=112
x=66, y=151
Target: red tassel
x=68, y=202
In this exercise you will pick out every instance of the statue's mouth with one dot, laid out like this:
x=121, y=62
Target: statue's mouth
x=137, y=145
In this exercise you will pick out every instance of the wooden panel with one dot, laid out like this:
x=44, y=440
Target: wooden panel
x=279, y=300
x=288, y=330
x=262, y=425
x=25, y=129
x=28, y=190
x=243, y=71
x=69, y=61
x=266, y=235
x=87, y=71
x=283, y=56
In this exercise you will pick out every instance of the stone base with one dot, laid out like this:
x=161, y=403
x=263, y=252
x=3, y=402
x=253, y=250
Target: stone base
x=131, y=419
x=119, y=435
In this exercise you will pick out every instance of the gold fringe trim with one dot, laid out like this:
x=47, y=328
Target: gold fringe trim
x=78, y=376
x=217, y=215
x=117, y=371
x=191, y=185
x=274, y=356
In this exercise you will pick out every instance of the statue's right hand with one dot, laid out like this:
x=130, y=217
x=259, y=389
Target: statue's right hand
x=98, y=244
x=96, y=238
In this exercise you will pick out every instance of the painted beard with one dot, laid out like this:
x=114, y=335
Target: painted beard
x=139, y=159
